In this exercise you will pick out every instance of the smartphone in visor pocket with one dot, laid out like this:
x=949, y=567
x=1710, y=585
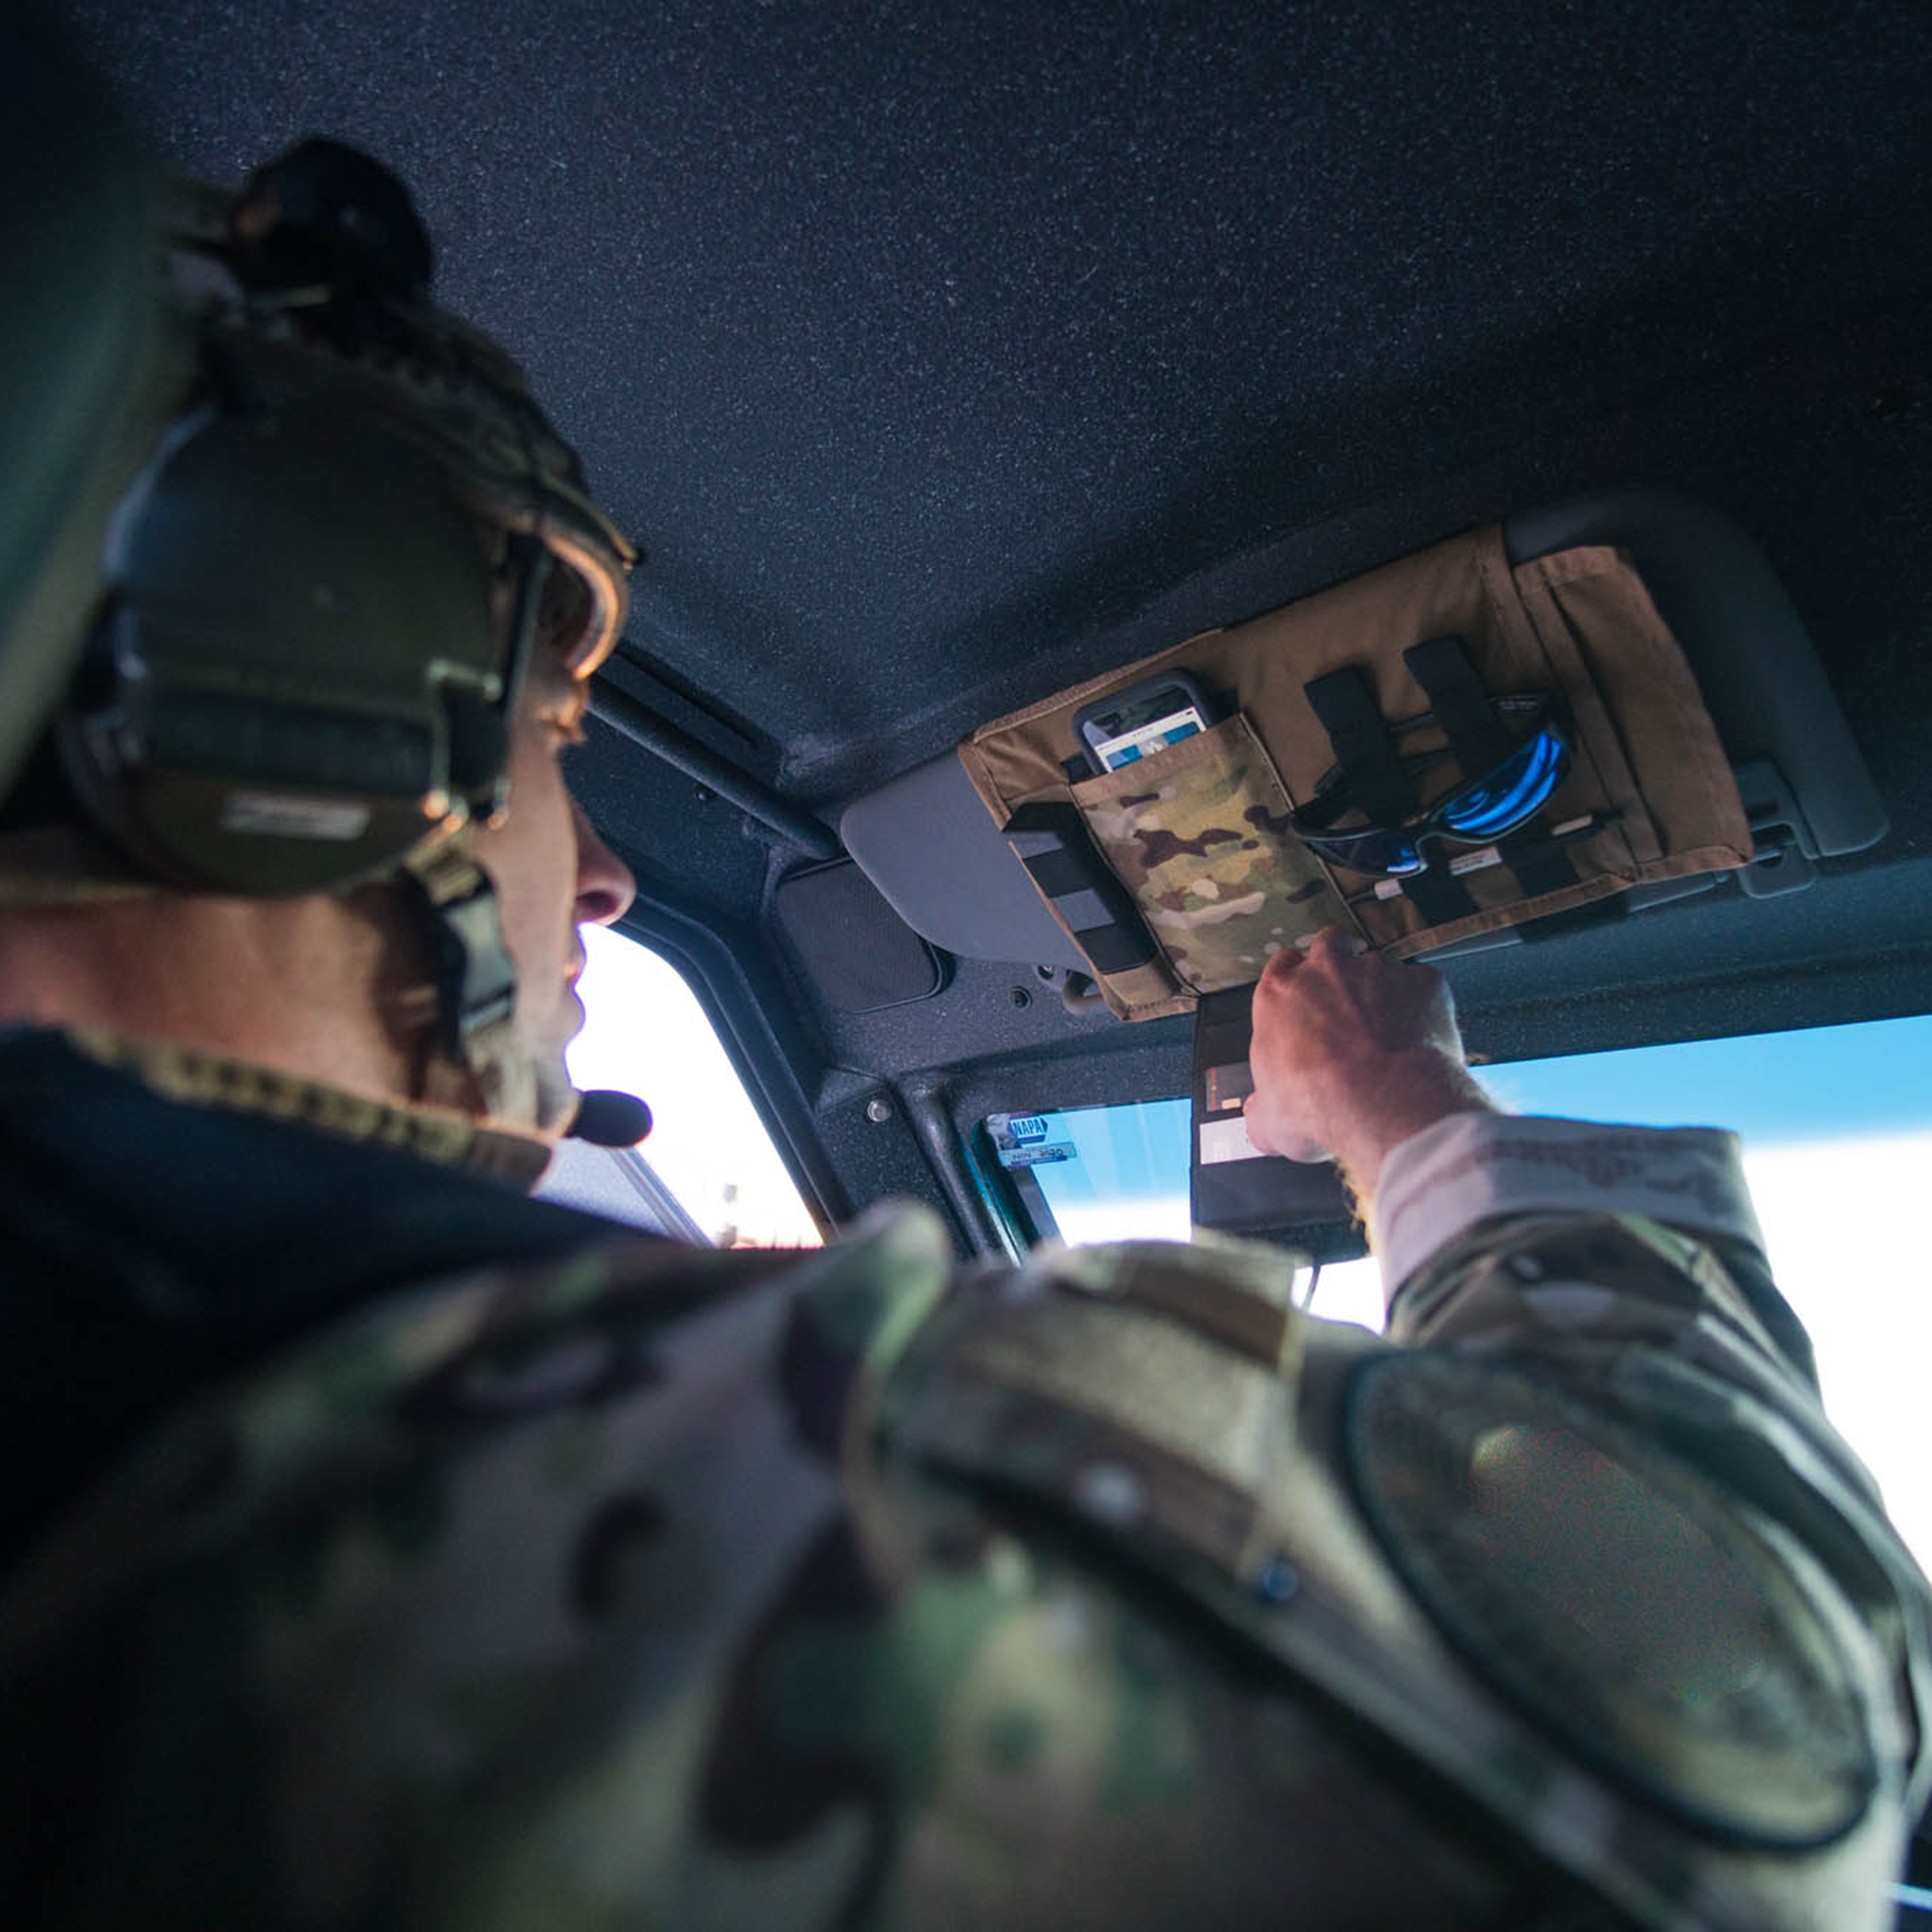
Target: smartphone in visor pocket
x=1132, y=725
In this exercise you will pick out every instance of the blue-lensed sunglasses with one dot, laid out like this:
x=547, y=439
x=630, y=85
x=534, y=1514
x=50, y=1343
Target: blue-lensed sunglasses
x=1478, y=811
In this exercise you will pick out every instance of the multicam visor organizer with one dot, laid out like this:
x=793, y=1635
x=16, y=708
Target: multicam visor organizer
x=1201, y=876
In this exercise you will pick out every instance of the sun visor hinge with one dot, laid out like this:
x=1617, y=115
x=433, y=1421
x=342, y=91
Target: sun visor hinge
x=1786, y=854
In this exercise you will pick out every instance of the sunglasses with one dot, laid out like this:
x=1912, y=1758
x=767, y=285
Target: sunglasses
x=1478, y=811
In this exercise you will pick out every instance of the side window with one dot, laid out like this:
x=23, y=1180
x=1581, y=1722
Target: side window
x=644, y=1032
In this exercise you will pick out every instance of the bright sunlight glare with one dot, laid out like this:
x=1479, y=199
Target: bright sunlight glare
x=645, y=1033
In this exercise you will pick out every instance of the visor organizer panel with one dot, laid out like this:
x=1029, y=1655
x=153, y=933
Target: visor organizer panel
x=1447, y=746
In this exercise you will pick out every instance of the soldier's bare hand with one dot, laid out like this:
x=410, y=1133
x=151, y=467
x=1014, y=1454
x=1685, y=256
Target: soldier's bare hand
x=1352, y=1054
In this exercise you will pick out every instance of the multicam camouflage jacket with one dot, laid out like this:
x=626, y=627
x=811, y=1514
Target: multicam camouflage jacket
x=658, y=1588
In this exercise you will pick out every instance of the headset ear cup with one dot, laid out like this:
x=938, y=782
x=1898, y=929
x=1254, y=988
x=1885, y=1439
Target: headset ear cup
x=302, y=632
x=89, y=749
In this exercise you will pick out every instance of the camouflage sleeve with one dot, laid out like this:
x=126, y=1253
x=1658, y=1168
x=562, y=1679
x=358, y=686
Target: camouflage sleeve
x=1464, y=1187
x=1625, y=1265
x=656, y=1587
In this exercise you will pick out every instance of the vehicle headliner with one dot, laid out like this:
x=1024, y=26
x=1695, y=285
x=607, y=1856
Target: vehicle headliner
x=939, y=355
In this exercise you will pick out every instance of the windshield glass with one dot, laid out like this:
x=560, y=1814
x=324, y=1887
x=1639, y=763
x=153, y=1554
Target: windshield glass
x=1102, y=1174
x=1836, y=1125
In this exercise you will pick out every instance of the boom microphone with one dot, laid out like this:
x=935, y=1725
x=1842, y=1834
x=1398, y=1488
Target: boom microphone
x=606, y=1118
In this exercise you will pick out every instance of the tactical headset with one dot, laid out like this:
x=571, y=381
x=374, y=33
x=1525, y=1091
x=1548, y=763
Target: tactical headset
x=319, y=600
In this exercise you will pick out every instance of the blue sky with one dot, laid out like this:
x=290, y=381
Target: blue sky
x=1827, y=1083
x=1775, y=1089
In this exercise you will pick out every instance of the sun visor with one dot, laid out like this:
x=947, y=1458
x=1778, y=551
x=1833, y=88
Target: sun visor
x=1782, y=781
x=925, y=842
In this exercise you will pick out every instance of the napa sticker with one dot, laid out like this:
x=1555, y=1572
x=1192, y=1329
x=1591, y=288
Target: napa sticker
x=1026, y=1140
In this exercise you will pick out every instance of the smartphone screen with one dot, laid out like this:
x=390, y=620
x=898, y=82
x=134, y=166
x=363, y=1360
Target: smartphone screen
x=1136, y=730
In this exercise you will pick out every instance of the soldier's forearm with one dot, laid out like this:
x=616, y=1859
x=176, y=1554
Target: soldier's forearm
x=1413, y=1092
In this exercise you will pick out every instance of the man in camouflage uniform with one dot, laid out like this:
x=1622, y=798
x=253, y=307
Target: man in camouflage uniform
x=388, y=1549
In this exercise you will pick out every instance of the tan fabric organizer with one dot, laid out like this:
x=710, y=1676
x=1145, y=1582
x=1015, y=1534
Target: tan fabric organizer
x=1578, y=621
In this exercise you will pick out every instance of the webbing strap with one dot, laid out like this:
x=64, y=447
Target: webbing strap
x=1051, y=842
x=1372, y=775
x=1479, y=743
x=1462, y=706
x=1374, y=781
x=1539, y=867
x=1437, y=895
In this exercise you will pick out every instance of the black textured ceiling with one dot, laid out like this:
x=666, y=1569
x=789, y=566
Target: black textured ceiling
x=929, y=348
x=911, y=337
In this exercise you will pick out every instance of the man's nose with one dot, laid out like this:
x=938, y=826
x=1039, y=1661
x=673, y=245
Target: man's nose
x=605, y=886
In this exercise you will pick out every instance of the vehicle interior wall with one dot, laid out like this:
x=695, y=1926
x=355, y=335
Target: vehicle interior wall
x=940, y=356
